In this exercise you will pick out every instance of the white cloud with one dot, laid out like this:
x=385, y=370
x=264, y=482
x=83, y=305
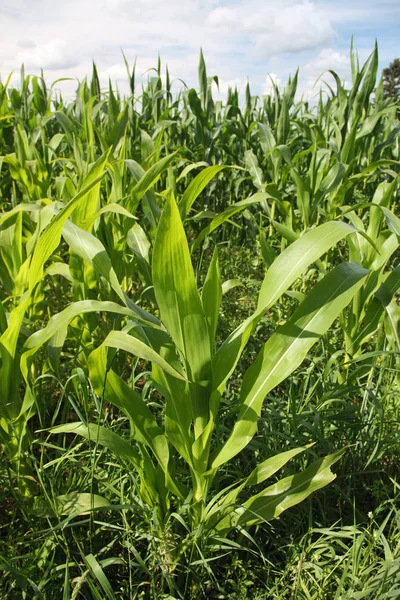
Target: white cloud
x=26, y=44
x=56, y=54
x=240, y=39
x=315, y=72
x=287, y=26
x=222, y=17
x=116, y=72
x=114, y=4
x=329, y=59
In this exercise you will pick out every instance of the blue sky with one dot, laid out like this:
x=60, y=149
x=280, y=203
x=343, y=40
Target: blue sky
x=241, y=39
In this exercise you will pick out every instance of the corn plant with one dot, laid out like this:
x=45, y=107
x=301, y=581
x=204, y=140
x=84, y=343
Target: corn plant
x=374, y=306
x=23, y=272
x=191, y=373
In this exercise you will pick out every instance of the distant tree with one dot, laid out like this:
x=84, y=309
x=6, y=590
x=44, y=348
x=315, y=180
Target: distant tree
x=391, y=80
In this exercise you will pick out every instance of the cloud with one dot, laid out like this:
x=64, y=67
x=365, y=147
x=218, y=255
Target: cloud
x=56, y=54
x=273, y=27
x=240, y=40
x=329, y=60
x=26, y=44
x=223, y=17
x=315, y=72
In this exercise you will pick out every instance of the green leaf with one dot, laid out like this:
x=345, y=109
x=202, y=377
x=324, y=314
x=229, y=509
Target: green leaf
x=72, y=504
x=144, y=426
x=180, y=305
x=123, y=341
x=227, y=214
x=251, y=162
x=203, y=80
x=99, y=574
x=58, y=268
x=270, y=466
x=219, y=508
x=195, y=188
x=231, y=284
x=267, y=139
x=291, y=263
x=392, y=221
x=285, y=269
x=64, y=317
x=333, y=178
x=381, y=302
x=287, y=348
x=303, y=196
x=89, y=248
x=288, y=492
x=102, y=436
x=149, y=177
x=211, y=297
x=138, y=241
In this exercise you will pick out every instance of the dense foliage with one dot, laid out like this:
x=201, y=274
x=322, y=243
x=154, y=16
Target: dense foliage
x=199, y=328
x=391, y=80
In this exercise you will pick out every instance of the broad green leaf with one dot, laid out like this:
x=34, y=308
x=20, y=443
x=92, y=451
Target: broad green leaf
x=285, y=269
x=267, y=139
x=190, y=168
x=203, y=81
x=303, y=196
x=227, y=214
x=195, y=188
x=211, y=296
x=114, y=208
x=102, y=436
x=180, y=305
x=144, y=426
x=89, y=248
x=138, y=241
x=150, y=177
x=64, y=317
x=288, y=492
x=383, y=197
x=291, y=263
x=231, y=284
x=285, y=153
x=392, y=221
x=254, y=168
x=272, y=465
x=123, y=341
x=58, y=268
x=287, y=348
x=381, y=302
x=22, y=207
x=333, y=178
x=72, y=504
x=219, y=508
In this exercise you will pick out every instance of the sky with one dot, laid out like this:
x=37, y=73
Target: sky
x=242, y=40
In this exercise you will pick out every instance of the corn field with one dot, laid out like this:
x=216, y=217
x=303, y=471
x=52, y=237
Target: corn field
x=199, y=330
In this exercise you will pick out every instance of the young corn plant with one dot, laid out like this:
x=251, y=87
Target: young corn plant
x=23, y=273
x=191, y=373
x=375, y=303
